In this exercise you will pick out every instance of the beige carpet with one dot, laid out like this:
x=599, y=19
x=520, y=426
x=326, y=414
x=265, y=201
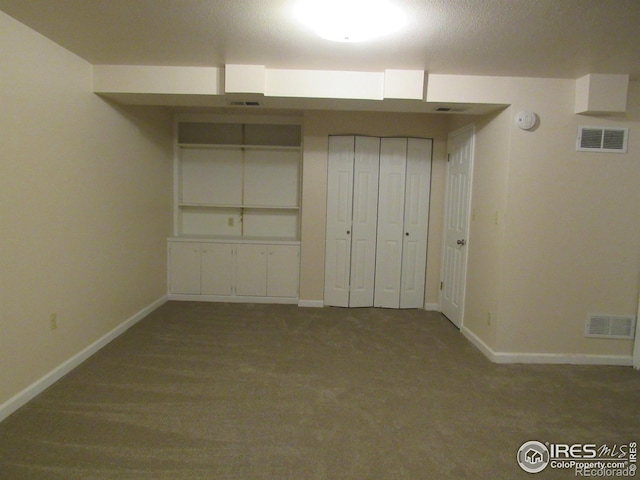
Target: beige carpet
x=222, y=391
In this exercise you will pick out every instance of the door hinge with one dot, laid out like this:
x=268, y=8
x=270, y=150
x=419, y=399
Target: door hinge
x=448, y=157
x=441, y=285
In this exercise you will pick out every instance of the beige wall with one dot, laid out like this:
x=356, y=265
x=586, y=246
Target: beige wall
x=573, y=224
x=85, y=207
x=568, y=244
x=318, y=125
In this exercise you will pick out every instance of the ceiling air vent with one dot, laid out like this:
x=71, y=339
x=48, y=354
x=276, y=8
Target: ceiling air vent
x=234, y=103
x=608, y=326
x=602, y=139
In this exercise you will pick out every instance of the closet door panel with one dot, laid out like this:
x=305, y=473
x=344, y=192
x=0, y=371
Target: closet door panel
x=339, y=215
x=416, y=222
x=393, y=152
x=364, y=221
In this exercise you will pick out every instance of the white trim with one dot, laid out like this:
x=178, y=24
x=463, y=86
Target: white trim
x=21, y=398
x=311, y=303
x=231, y=299
x=545, y=358
x=432, y=307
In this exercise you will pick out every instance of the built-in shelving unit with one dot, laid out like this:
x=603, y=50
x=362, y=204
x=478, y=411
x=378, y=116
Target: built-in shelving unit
x=236, y=212
x=238, y=180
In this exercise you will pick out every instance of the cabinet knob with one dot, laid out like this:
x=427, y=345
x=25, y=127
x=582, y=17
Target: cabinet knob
x=407, y=234
x=348, y=232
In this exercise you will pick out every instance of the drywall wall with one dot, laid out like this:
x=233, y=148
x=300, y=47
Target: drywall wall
x=85, y=207
x=318, y=125
x=573, y=223
x=555, y=233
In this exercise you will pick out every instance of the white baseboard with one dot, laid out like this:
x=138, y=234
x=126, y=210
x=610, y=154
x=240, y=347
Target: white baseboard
x=432, y=307
x=231, y=299
x=311, y=303
x=21, y=398
x=546, y=358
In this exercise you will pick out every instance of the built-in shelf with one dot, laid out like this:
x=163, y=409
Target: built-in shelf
x=237, y=181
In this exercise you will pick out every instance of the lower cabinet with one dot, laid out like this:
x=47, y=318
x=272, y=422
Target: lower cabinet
x=233, y=271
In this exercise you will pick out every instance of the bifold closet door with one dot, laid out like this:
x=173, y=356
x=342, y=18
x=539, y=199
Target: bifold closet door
x=416, y=222
x=352, y=199
x=403, y=218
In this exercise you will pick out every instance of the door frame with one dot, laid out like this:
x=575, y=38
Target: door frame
x=472, y=130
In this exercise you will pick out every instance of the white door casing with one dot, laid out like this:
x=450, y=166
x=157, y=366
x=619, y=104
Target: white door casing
x=456, y=228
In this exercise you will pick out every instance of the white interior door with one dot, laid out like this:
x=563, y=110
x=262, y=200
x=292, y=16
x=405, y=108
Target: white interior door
x=339, y=213
x=416, y=223
x=364, y=221
x=457, y=207
x=393, y=159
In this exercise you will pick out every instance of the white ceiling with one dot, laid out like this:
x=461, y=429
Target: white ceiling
x=537, y=38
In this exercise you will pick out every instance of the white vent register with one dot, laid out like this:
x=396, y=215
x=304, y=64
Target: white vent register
x=610, y=326
x=602, y=139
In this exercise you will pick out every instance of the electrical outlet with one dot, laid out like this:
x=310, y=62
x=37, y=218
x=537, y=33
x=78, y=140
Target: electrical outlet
x=53, y=321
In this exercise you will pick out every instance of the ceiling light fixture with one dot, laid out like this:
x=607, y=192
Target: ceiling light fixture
x=350, y=20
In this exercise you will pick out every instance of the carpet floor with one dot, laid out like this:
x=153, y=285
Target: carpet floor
x=245, y=391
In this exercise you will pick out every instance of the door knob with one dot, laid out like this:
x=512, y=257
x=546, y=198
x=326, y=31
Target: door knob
x=461, y=242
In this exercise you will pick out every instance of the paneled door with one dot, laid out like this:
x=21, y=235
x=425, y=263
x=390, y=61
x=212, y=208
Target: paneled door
x=337, y=273
x=377, y=221
x=456, y=231
x=393, y=163
x=364, y=221
x=403, y=219
x=352, y=197
x=416, y=222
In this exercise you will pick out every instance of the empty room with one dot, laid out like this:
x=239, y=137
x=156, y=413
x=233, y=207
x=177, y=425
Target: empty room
x=288, y=239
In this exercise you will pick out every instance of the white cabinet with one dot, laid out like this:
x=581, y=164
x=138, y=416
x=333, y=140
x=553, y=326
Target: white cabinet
x=184, y=265
x=217, y=265
x=251, y=270
x=237, y=196
x=219, y=271
x=377, y=218
x=283, y=265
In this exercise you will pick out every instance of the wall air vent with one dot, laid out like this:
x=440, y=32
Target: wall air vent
x=602, y=139
x=609, y=326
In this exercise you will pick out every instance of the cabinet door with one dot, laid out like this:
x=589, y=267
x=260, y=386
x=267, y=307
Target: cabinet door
x=283, y=263
x=184, y=268
x=217, y=268
x=251, y=270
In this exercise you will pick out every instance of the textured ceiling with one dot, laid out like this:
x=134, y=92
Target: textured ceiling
x=539, y=38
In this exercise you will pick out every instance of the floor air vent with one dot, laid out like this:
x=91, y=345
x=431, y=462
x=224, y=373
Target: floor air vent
x=601, y=139
x=607, y=326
